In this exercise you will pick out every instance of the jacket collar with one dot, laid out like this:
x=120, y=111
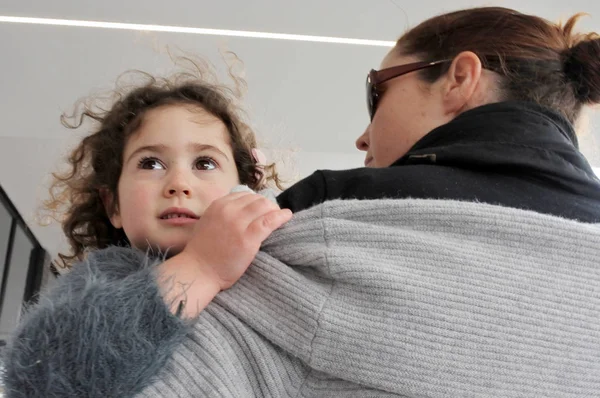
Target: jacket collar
x=510, y=138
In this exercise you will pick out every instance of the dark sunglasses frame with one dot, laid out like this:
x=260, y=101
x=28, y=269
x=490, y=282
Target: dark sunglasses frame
x=376, y=77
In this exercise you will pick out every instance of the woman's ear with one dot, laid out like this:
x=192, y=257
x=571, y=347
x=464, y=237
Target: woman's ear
x=111, y=207
x=462, y=80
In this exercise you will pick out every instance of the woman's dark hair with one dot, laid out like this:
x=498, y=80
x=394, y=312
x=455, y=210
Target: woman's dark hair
x=78, y=196
x=538, y=60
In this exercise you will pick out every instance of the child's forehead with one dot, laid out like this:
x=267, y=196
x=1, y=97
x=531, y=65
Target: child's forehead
x=180, y=114
x=179, y=127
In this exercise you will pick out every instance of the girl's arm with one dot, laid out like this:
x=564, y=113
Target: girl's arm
x=103, y=331
x=111, y=324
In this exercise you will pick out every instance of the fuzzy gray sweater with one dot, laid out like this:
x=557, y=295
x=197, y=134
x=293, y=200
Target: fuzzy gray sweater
x=413, y=298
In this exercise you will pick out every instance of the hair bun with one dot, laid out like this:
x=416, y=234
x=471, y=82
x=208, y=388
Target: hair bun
x=582, y=68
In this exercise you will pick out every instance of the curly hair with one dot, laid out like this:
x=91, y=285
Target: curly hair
x=76, y=196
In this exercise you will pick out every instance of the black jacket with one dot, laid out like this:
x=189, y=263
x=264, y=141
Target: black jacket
x=513, y=154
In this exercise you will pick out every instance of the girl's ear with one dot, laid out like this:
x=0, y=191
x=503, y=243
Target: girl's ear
x=111, y=207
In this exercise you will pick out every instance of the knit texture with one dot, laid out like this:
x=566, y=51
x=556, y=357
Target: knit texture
x=412, y=298
x=416, y=298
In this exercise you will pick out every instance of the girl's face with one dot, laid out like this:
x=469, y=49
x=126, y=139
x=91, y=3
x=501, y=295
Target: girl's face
x=174, y=166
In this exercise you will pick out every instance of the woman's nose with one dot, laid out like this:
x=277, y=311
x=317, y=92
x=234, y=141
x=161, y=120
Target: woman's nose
x=362, y=143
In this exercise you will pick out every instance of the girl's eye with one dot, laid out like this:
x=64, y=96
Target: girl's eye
x=205, y=164
x=150, y=164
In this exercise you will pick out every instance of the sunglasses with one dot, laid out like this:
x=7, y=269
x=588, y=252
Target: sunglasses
x=376, y=77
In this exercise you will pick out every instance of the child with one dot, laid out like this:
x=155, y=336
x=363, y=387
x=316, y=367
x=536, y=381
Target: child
x=147, y=176
x=155, y=174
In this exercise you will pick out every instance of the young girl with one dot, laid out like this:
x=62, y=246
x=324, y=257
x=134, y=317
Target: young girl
x=156, y=174
x=162, y=154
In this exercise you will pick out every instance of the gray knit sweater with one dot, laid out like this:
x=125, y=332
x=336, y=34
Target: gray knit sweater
x=413, y=298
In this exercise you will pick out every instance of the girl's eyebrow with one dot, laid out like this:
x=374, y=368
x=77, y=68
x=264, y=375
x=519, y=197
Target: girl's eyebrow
x=148, y=148
x=160, y=148
x=205, y=147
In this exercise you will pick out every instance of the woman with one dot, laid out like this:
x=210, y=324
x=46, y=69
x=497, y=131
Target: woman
x=476, y=105
x=490, y=291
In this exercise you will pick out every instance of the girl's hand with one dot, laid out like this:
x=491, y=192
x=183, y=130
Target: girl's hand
x=225, y=241
x=230, y=233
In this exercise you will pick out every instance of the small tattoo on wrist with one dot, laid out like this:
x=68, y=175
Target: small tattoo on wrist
x=180, y=308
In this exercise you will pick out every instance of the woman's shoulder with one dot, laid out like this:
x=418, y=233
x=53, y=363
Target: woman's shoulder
x=323, y=185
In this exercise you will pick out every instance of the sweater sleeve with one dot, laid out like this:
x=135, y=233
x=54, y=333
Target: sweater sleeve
x=103, y=331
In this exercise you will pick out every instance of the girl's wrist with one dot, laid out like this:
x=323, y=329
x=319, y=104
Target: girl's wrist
x=186, y=286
